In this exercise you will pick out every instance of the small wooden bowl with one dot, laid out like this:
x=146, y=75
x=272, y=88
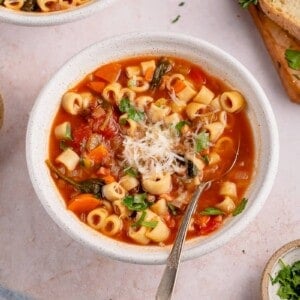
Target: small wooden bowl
x=289, y=253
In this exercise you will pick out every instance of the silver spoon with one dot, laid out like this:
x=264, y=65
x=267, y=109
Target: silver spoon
x=167, y=283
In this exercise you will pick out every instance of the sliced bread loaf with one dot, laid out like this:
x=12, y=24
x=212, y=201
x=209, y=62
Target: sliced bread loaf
x=277, y=41
x=285, y=13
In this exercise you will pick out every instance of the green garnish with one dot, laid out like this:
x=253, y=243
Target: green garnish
x=88, y=186
x=293, y=58
x=240, y=207
x=211, y=211
x=172, y=208
x=289, y=280
x=202, y=141
x=141, y=222
x=163, y=67
x=131, y=172
x=176, y=19
x=132, y=113
x=29, y=5
x=181, y=3
x=180, y=125
x=205, y=158
x=137, y=202
x=246, y=3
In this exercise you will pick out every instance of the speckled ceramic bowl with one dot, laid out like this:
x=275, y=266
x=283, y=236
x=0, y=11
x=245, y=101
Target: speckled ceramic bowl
x=213, y=60
x=1, y=111
x=52, y=18
x=289, y=254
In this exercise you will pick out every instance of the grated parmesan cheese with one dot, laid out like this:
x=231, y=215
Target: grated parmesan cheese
x=154, y=153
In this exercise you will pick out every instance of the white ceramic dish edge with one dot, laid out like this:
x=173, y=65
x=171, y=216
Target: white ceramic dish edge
x=148, y=42
x=53, y=18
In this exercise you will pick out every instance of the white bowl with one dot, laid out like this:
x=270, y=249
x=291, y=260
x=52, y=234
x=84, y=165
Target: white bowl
x=213, y=60
x=52, y=18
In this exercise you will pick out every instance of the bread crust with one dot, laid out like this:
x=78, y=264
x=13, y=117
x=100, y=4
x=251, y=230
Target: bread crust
x=282, y=18
x=277, y=41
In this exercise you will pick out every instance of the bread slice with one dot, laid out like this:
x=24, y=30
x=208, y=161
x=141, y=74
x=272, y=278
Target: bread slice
x=277, y=40
x=286, y=13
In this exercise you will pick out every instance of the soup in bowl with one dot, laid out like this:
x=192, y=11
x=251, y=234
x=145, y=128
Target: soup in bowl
x=48, y=12
x=121, y=137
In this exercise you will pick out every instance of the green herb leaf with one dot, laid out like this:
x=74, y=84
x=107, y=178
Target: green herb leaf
x=246, y=3
x=211, y=211
x=240, y=207
x=293, y=58
x=150, y=224
x=124, y=105
x=202, y=141
x=163, y=67
x=141, y=222
x=132, y=113
x=135, y=115
x=131, y=172
x=180, y=125
x=288, y=278
x=172, y=208
x=136, y=202
x=176, y=19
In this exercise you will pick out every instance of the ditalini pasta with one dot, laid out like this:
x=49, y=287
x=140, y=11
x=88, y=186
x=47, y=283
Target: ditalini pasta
x=131, y=142
x=42, y=5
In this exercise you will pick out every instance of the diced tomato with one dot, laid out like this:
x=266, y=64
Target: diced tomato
x=80, y=136
x=170, y=221
x=212, y=225
x=197, y=76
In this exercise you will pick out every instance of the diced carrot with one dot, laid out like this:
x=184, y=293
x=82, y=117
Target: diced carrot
x=96, y=86
x=179, y=86
x=202, y=220
x=98, y=153
x=109, y=179
x=83, y=203
x=149, y=74
x=110, y=72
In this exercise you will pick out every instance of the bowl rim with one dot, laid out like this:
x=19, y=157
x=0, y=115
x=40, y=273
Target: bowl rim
x=265, y=280
x=52, y=18
x=270, y=173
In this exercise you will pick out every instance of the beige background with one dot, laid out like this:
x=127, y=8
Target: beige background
x=38, y=259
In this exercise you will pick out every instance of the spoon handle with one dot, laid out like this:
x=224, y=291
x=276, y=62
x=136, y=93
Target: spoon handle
x=166, y=286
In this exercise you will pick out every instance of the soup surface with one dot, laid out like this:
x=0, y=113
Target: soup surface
x=131, y=142
x=41, y=5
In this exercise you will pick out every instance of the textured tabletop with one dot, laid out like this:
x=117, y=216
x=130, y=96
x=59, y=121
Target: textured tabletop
x=37, y=259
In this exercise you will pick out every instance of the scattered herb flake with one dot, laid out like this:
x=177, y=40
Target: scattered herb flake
x=172, y=208
x=180, y=125
x=246, y=3
x=141, y=222
x=202, y=141
x=176, y=19
x=132, y=113
x=137, y=202
x=240, y=207
x=181, y=3
x=211, y=211
x=293, y=58
x=131, y=171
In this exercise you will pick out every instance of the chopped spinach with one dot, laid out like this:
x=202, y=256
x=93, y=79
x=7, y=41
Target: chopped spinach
x=163, y=67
